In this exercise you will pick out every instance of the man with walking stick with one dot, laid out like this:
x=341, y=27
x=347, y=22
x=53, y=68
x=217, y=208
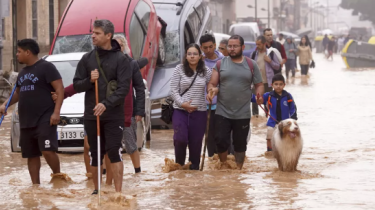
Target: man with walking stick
x=109, y=67
x=236, y=74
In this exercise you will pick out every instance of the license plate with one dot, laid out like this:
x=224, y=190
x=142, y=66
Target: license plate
x=66, y=135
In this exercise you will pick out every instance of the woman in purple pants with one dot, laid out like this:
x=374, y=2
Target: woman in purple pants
x=190, y=115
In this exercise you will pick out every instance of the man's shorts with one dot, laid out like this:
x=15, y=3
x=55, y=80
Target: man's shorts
x=111, y=132
x=270, y=131
x=37, y=139
x=223, y=129
x=130, y=137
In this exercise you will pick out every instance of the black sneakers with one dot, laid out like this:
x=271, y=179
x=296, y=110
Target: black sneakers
x=95, y=192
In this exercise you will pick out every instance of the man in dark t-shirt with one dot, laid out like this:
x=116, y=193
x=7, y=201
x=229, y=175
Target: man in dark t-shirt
x=38, y=114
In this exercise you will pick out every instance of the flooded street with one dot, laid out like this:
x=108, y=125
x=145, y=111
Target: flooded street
x=336, y=166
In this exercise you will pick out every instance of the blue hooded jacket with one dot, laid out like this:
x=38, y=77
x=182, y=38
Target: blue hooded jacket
x=210, y=64
x=288, y=107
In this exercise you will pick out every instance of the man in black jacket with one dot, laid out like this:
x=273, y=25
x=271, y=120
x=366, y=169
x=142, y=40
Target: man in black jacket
x=115, y=66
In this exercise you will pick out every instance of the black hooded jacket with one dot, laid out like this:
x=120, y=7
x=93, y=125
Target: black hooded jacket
x=116, y=66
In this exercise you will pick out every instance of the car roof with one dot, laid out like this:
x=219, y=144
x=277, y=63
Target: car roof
x=249, y=42
x=65, y=57
x=81, y=15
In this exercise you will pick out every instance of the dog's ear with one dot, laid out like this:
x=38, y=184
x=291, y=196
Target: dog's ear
x=280, y=127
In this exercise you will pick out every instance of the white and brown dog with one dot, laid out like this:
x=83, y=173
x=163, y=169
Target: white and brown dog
x=287, y=144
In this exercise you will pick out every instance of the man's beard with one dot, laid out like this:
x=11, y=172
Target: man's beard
x=238, y=55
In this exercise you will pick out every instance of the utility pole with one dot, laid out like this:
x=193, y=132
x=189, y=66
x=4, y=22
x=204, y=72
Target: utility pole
x=268, y=9
x=256, y=10
x=327, y=14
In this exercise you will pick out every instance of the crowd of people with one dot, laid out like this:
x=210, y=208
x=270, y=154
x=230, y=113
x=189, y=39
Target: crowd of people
x=224, y=80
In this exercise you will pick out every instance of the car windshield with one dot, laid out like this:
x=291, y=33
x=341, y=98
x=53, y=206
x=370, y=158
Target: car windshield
x=67, y=70
x=172, y=39
x=75, y=43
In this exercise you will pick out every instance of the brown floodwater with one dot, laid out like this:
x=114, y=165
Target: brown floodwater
x=337, y=170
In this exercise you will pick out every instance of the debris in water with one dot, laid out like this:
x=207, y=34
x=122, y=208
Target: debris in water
x=15, y=182
x=62, y=176
x=170, y=165
x=229, y=164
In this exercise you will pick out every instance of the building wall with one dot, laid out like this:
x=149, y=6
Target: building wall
x=223, y=14
x=24, y=28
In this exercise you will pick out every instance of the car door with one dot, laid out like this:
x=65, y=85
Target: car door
x=141, y=35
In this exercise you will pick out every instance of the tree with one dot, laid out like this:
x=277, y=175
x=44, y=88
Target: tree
x=364, y=7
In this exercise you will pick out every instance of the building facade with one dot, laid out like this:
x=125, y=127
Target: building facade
x=36, y=19
x=223, y=14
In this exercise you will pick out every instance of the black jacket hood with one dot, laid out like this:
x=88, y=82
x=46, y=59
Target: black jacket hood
x=115, y=47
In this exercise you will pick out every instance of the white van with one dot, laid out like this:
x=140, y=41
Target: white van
x=243, y=29
x=219, y=37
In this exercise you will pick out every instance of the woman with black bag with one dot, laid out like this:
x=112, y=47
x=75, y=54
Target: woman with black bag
x=190, y=110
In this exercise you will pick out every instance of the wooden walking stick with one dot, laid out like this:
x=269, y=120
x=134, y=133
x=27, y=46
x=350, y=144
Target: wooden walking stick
x=206, y=133
x=98, y=134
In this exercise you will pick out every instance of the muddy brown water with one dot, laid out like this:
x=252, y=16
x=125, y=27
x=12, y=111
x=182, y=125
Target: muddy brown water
x=335, y=110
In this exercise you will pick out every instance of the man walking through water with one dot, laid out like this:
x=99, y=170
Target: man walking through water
x=113, y=67
x=235, y=75
x=38, y=114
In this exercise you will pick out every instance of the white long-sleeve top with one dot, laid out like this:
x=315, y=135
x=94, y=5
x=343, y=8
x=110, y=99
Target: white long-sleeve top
x=180, y=82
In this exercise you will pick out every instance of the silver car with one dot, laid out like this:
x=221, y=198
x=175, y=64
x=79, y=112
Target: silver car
x=70, y=130
x=186, y=21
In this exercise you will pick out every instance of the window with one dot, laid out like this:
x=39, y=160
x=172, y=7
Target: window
x=194, y=23
x=143, y=12
x=51, y=21
x=35, y=18
x=136, y=36
x=3, y=28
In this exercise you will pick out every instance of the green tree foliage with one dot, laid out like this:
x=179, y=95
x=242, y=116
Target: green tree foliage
x=364, y=7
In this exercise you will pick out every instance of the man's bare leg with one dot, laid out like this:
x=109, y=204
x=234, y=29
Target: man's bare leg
x=109, y=174
x=52, y=160
x=34, y=168
x=240, y=159
x=118, y=171
x=136, y=159
x=223, y=156
x=86, y=156
x=94, y=171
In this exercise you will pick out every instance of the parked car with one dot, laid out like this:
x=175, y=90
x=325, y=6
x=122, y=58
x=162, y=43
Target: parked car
x=136, y=20
x=219, y=37
x=70, y=130
x=249, y=48
x=186, y=22
x=246, y=30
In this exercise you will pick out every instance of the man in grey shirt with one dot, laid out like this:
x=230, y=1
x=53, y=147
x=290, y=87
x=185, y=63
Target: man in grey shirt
x=233, y=102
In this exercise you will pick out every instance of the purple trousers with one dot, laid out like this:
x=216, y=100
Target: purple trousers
x=188, y=131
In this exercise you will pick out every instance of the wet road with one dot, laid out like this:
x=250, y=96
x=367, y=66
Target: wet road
x=336, y=117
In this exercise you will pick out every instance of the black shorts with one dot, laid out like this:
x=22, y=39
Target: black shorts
x=223, y=129
x=37, y=139
x=111, y=133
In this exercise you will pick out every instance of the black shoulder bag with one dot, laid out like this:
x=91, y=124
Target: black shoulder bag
x=167, y=108
x=111, y=85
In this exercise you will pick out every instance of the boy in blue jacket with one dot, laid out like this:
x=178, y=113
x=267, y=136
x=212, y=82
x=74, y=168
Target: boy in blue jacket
x=280, y=104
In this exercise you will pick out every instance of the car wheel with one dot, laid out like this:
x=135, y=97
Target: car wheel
x=161, y=52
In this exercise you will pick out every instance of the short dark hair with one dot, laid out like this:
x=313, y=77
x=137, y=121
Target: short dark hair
x=224, y=41
x=267, y=29
x=242, y=42
x=207, y=38
x=106, y=25
x=262, y=38
x=29, y=44
x=281, y=34
x=278, y=77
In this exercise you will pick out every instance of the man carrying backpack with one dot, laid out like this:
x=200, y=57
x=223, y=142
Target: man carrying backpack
x=231, y=80
x=267, y=63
